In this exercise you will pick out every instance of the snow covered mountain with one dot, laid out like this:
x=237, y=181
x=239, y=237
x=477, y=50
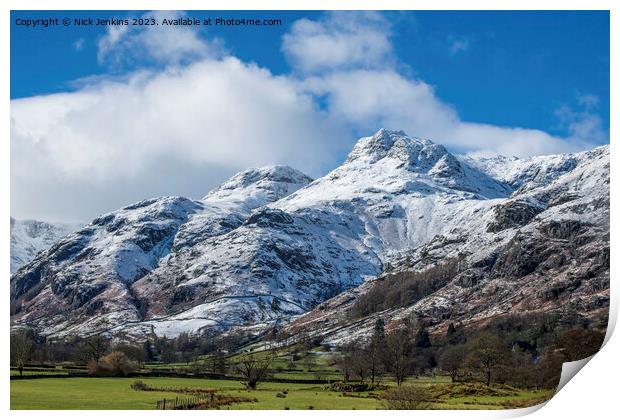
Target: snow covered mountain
x=28, y=237
x=270, y=244
x=542, y=252
x=84, y=282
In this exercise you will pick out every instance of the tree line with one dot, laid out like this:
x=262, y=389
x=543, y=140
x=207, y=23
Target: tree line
x=503, y=352
x=98, y=352
x=526, y=351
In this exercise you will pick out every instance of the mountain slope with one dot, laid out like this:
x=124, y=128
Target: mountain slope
x=543, y=251
x=83, y=283
x=28, y=237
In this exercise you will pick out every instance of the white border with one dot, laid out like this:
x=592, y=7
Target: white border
x=311, y=5
x=591, y=395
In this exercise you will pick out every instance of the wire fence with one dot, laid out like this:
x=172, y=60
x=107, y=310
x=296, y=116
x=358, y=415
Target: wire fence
x=185, y=403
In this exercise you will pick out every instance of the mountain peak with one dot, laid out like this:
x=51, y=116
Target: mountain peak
x=413, y=151
x=273, y=173
x=278, y=178
x=387, y=151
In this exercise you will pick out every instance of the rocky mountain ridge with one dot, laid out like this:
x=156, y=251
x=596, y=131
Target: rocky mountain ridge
x=271, y=245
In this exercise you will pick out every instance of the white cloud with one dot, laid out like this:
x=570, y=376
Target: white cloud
x=212, y=114
x=111, y=40
x=158, y=43
x=366, y=99
x=582, y=124
x=341, y=40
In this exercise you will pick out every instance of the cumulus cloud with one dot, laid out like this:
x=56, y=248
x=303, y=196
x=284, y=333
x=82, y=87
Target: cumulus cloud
x=184, y=127
x=161, y=44
x=214, y=113
x=366, y=99
x=341, y=40
x=373, y=93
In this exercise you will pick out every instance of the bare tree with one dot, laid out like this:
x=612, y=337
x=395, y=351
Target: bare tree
x=375, y=351
x=133, y=352
x=21, y=350
x=310, y=361
x=486, y=355
x=398, y=355
x=96, y=346
x=253, y=369
x=218, y=362
x=360, y=363
x=451, y=360
x=346, y=360
x=354, y=361
x=579, y=343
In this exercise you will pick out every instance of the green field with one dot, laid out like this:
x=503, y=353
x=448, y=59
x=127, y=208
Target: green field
x=116, y=393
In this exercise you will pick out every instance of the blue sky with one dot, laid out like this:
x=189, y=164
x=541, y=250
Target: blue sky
x=530, y=63
x=515, y=83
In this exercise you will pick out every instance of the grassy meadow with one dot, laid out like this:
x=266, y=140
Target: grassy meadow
x=116, y=393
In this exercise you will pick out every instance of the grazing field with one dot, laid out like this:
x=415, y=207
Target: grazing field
x=116, y=393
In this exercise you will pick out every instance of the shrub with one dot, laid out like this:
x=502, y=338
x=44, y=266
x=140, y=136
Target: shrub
x=353, y=387
x=97, y=369
x=138, y=385
x=113, y=364
x=406, y=398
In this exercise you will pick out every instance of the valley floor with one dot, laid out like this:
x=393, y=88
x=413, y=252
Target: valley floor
x=116, y=393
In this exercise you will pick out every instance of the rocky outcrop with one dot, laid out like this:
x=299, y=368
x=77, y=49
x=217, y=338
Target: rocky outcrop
x=514, y=213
